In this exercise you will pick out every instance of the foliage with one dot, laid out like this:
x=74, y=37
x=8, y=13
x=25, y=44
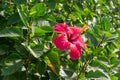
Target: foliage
x=26, y=34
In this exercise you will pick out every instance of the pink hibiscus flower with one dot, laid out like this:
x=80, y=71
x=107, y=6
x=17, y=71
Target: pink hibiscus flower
x=69, y=38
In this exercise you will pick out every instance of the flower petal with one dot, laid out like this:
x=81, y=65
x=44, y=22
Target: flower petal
x=75, y=30
x=75, y=51
x=61, y=42
x=61, y=28
x=79, y=41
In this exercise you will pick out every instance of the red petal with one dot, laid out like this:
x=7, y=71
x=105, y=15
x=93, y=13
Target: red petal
x=75, y=51
x=79, y=41
x=61, y=42
x=61, y=28
x=75, y=30
x=73, y=33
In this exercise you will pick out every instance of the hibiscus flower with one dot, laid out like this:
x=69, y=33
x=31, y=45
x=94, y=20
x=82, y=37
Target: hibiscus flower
x=69, y=37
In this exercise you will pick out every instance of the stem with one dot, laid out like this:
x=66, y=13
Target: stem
x=101, y=41
x=28, y=36
x=84, y=67
x=82, y=70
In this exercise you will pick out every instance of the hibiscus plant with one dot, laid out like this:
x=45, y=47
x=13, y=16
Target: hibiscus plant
x=59, y=39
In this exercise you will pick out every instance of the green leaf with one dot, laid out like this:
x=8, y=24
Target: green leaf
x=3, y=49
x=114, y=78
x=42, y=30
x=73, y=17
x=117, y=75
x=1, y=8
x=39, y=32
x=50, y=18
x=38, y=10
x=97, y=51
x=100, y=1
x=104, y=66
x=38, y=49
x=105, y=23
x=114, y=62
x=33, y=52
x=9, y=77
x=95, y=63
x=47, y=28
x=109, y=37
x=95, y=74
x=92, y=39
x=41, y=67
x=11, y=64
x=11, y=32
x=52, y=76
x=96, y=30
x=69, y=72
x=23, y=17
x=82, y=76
x=17, y=76
x=20, y=1
x=73, y=64
x=21, y=49
x=54, y=59
x=52, y=4
x=13, y=19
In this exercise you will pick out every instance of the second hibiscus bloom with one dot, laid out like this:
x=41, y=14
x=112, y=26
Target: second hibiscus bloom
x=69, y=37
